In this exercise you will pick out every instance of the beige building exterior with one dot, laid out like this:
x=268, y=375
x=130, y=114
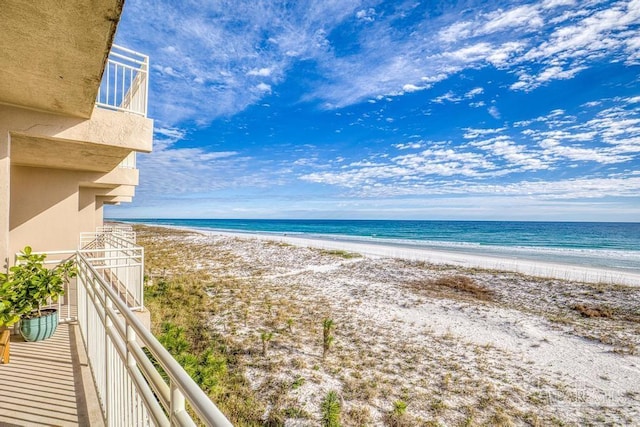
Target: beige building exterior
x=63, y=155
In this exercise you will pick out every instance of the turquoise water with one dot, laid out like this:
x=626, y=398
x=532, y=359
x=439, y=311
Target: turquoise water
x=606, y=245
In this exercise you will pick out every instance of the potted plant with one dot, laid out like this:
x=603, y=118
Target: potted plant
x=26, y=288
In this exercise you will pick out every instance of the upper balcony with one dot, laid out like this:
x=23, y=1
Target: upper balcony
x=125, y=82
x=107, y=141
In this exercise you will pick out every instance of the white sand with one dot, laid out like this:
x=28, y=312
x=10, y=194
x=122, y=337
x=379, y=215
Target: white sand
x=529, y=267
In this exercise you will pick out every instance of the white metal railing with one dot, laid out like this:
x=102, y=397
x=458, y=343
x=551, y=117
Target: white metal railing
x=125, y=81
x=120, y=262
x=129, y=162
x=121, y=230
x=117, y=228
x=131, y=390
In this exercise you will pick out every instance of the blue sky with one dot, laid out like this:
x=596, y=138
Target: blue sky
x=399, y=109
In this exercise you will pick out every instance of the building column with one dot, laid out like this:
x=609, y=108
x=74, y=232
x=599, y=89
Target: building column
x=5, y=195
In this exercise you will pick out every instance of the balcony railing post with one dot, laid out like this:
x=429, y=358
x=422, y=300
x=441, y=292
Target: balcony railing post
x=107, y=366
x=145, y=96
x=177, y=403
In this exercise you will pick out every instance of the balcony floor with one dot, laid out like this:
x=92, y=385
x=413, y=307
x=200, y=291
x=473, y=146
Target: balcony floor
x=48, y=383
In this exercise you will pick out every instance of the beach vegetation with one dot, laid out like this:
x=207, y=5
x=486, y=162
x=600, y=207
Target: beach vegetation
x=438, y=406
x=399, y=407
x=358, y=415
x=206, y=356
x=628, y=348
x=330, y=410
x=298, y=363
x=266, y=338
x=327, y=336
x=296, y=412
x=340, y=253
x=593, y=311
x=464, y=284
x=398, y=416
x=453, y=286
x=298, y=382
x=501, y=419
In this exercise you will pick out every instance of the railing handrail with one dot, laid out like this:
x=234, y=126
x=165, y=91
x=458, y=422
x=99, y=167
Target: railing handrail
x=179, y=379
x=123, y=227
x=117, y=47
x=126, y=238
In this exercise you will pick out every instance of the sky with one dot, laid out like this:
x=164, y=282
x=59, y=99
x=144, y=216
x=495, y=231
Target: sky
x=354, y=109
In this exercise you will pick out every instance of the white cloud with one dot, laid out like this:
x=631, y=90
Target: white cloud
x=455, y=32
x=553, y=148
x=263, y=87
x=474, y=92
x=522, y=16
x=412, y=88
x=368, y=184
x=409, y=145
x=555, y=141
x=174, y=134
x=262, y=72
x=368, y=15
x=472, y=133
x=206, y=69
x=165, y=137
x=600, y=33
x=557, y=73
x=518, y=156
x=449, y=97
x=550, y=4
x=493, y=110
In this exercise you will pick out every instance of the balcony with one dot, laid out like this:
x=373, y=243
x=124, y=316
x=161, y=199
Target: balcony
x=125, y=82
x=100, y=366
x=129, y=162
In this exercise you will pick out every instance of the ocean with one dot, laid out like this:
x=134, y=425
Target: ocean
x=595, y=244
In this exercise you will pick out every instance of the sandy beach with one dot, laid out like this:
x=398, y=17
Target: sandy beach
x=457, y=340
x=524, y=266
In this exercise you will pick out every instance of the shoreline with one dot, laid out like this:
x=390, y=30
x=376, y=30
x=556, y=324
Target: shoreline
x=542, y=269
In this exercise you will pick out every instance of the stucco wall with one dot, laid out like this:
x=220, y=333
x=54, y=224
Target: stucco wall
x=87, y=220
x=43, y=209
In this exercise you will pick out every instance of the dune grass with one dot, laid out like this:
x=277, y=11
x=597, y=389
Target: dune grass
x=180, y=310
